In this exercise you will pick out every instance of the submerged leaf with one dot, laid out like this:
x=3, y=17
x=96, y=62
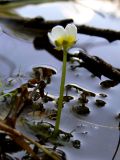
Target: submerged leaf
x=45, y=133
x=81, y=109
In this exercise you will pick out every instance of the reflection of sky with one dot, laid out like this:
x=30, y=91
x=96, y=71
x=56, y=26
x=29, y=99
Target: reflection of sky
x=82, y=12
x=21, y=53
x=58, y=11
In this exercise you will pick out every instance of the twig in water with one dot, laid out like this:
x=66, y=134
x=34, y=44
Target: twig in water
x=20, y=139
x=117, y=144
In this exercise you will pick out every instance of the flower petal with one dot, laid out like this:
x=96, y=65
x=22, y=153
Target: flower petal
x=57, y=32
x=71, y=30
x=51, y=38
x=63, y=38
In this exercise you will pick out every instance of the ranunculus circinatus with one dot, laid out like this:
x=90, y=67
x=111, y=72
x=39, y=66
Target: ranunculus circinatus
x=63, y=38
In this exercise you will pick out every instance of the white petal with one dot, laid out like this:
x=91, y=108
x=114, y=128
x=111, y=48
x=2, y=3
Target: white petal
x=57, y=32
x=51, y=38
x=71, y=29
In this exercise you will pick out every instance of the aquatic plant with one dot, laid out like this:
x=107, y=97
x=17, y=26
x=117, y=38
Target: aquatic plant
x=63, y=39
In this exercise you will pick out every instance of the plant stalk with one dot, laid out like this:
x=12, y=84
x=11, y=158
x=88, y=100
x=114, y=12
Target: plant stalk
x=60, y=101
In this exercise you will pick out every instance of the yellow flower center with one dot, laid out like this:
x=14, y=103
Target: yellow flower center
x=65, y=42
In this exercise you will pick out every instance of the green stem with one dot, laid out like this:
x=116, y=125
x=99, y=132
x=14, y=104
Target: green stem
x=60, y=101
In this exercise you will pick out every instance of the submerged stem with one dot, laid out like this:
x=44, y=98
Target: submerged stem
x=51, y=153
x=60, y=101
x=19, y=138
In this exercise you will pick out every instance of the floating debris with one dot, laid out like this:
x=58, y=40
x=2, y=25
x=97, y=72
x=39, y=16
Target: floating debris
x=109, y=83
x=78, y=88
x=48, y=98
x=83, y=98
x=76, y=144
x=103, y=95
x=81, y=109
x=67, y=98
x=43, y=73
x=100, y=103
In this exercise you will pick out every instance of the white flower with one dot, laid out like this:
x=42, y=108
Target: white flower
x=63, y=38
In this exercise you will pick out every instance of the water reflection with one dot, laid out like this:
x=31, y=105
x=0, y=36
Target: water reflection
x=93, y=144
x=7, y=62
